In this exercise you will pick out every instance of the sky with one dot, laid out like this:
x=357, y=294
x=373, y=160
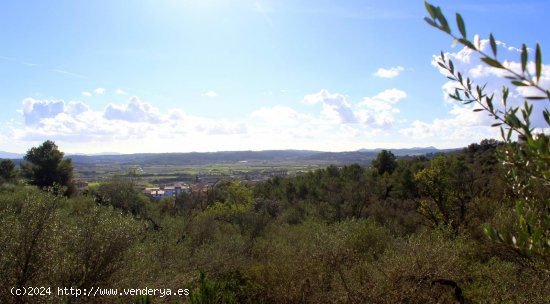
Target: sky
x=217, y=75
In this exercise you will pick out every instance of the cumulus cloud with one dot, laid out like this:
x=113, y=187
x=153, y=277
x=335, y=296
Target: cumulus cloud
x=120, y=92
x=338, y=119
x=464, y=125
x=210, y=94
x=53, y=118
x=76, y=108
x=389, y=73
x=35, y=110
x=76, y=122
x=134, y=111
x=86, y=93
x=379, y=111
x=99, y=91
x=332, y=122
x=388, y=97
x=337, y=124
x=335, y=106
x=375, y=112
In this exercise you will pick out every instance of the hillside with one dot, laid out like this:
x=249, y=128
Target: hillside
x=229, y=157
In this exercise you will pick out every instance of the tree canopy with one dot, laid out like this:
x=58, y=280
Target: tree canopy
x=8, y=171
x=45, y=167
x=384, y=162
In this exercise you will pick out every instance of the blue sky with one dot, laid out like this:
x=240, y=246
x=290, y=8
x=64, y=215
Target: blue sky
x=212, y=75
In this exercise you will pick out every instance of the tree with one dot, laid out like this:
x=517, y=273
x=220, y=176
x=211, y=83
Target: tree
x=527, y=162
x=122, y=193
x=384, y=162
x=447, y=188
x=8, y=172
x=46, y=167
x=405, y=186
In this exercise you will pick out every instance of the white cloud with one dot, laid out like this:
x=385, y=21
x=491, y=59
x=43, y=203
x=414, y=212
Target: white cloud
x=375, y=112
x=335, y=106
x=77, y=124
x=76, y=108
x=389, y=73
x=120, y=92
x=379, y=111
x=134, y=111
x=35, y=110
x=465, y=126
x=86, y=93
x=138, y=126
x=390, y=96
x=99, y=91
x=210, y=94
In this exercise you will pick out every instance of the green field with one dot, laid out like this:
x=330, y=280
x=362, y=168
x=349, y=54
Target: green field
x=166, y=173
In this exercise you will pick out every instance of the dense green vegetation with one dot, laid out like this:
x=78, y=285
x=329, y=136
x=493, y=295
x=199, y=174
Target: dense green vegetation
x=169, y=167
x=462, y=227
x=411, y=233
x=46, y=168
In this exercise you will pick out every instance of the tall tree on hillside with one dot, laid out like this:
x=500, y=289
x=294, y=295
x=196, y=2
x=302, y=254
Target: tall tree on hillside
x=46, y=167
x=8, y=172
x=384, y=162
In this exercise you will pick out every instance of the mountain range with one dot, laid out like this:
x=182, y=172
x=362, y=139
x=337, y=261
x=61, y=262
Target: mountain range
x=202, y=158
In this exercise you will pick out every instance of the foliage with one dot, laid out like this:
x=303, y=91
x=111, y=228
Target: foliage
x=384, y=162
x=99, y=239
x=527, y=162
x=48, y=240
x=45, y=167
x=432, y=267
x=447, y=185
x=27, y=222
x=317, y=262
x=334, y=235
x=230, y=289
x=8, y=171
x=238, y=201
x=121, y=193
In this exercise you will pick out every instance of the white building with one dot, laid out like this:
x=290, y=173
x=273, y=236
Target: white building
x=168, y=190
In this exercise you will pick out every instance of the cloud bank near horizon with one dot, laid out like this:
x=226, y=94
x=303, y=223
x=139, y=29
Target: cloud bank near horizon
x=331, y=121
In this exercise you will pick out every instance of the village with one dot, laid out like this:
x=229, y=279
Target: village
x=201, y=183
x=170, y=190
x=158, y=188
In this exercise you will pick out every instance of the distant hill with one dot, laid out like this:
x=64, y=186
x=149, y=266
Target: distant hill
x=363, y=156
x=9, y=155
x=343, y=157
x=94, y=154
x=411, y=151
x=194, y=158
